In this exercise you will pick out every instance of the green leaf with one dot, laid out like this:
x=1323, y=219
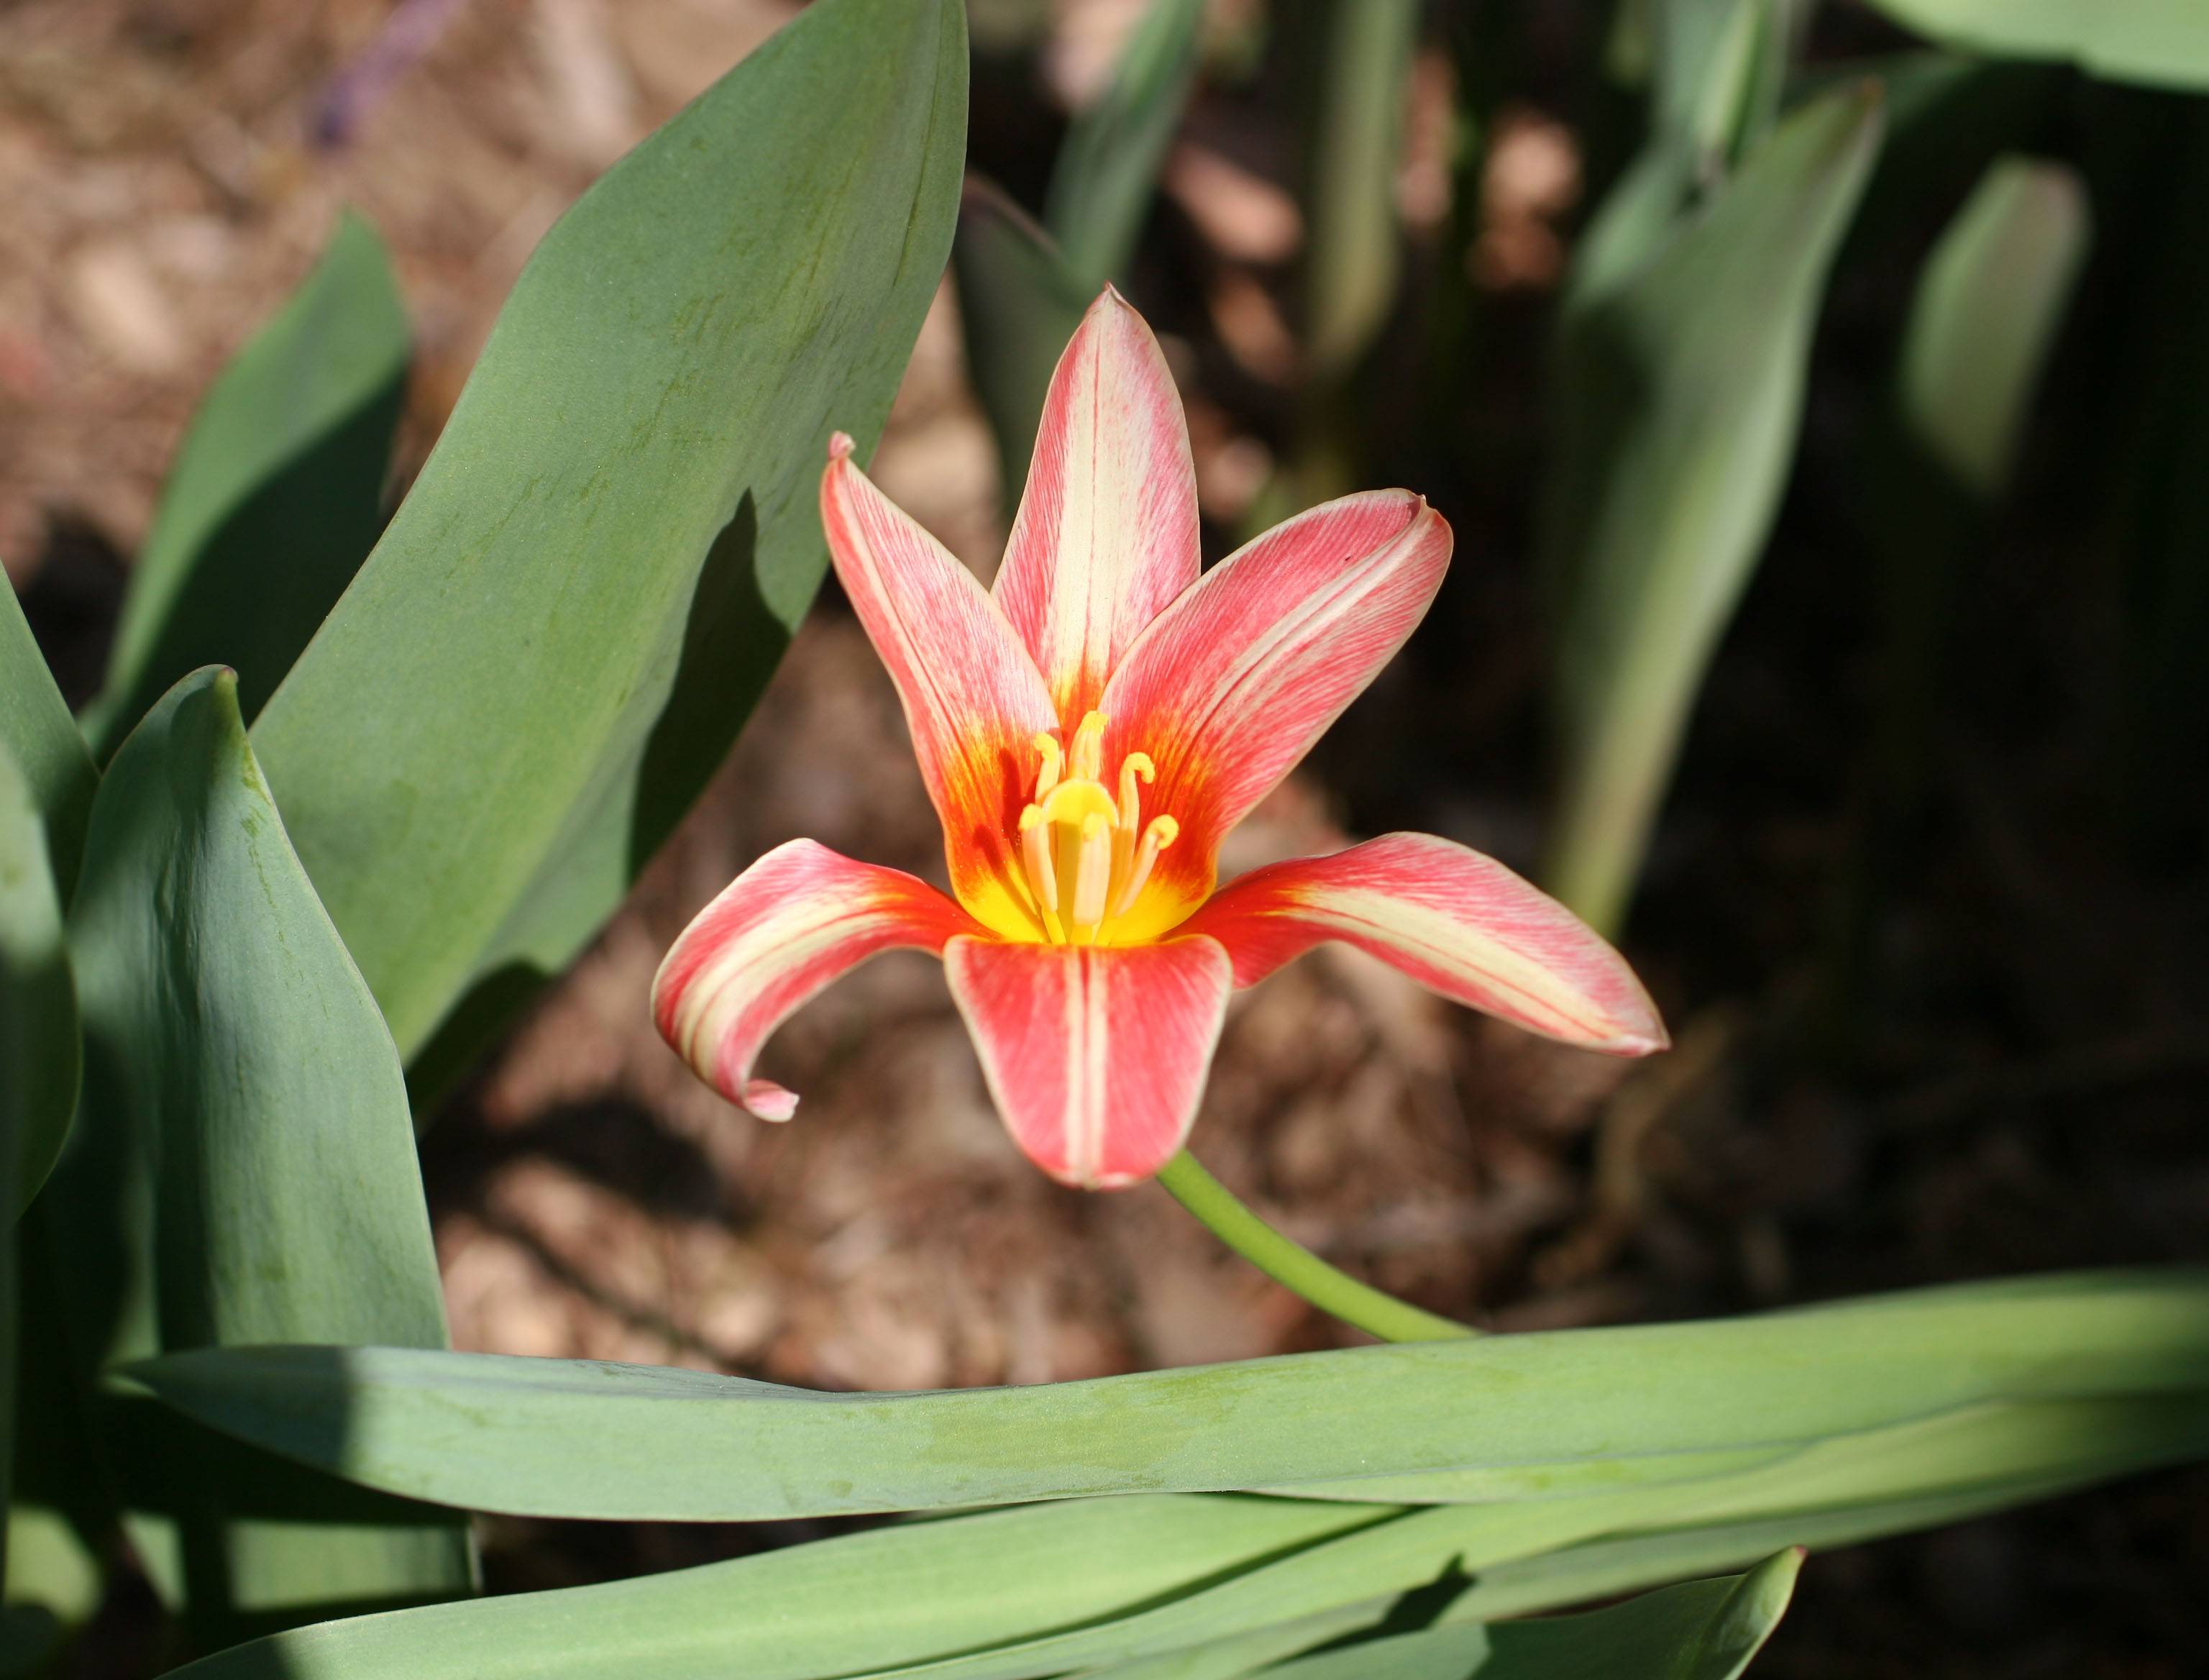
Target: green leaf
x=1482, y=1563
x=1107, y=170
x=930, y=1589
x=564, y=625
x=36, y=728
x=39, y=1039
x=1702, y=1630
x=1720, y=66
x=1504, y=1417
x=1358, y=144
x=276, y=498
x=1019, y=303
x=235, y=1064
x=1680, y=394
x=1191, y=1586
x=2158, y=42
x=1987, y=307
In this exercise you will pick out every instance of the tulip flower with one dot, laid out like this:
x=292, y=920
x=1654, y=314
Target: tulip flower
x=1089, y=729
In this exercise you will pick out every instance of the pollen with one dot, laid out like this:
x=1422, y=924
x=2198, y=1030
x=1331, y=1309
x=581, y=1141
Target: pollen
x=1087, y=852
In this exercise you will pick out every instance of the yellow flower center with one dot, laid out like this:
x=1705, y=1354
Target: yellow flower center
x=1087, y=854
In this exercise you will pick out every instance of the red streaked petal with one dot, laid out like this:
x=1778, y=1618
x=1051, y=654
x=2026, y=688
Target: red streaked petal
x=1097, y=1057
x=974, y=699
x=797, y=920
x=1232, y=683
x=1455, y=921
x=1106, y=534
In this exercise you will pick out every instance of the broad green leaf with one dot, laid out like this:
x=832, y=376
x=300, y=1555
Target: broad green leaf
x=1503, y=1417
x=1680, y=394
x=2160, y=43
x=36, y=728
x=1700, y=1630
x=1019, y=303
x=234, y=1055
x=1108, y=168
x=565, y=623
x=1987, y=311
x=276, y=498
x=39, y=1039
x=1190, y=1586
x=1356, y=146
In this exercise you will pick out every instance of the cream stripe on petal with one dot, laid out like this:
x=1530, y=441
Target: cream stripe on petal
x=1095, y=1057
x=1457, y=922
x=1235, y=681
x=1106, y=534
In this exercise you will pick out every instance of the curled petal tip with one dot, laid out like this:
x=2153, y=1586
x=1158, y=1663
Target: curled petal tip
x=763, y=1099
x=776, y=936
x=840, y=446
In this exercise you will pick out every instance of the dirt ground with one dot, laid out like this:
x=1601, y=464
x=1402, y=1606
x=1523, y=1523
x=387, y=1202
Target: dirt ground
x=2021, y=1098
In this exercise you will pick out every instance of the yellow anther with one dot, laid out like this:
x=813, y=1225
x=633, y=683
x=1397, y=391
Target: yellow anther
x=1086, y=759
x=1047, y=778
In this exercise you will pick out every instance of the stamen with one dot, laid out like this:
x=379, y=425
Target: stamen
x=1088, y=856
x=1092, y=874
x=1087, y=756
x=1162, y=833
x=1134, y=765
x=1047, y=778
x=1035, y=851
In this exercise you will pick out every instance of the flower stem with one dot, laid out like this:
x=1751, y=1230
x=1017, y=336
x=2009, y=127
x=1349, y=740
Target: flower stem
x=1298, y=1268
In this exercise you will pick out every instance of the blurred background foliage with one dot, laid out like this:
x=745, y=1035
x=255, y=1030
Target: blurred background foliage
x=1820, y=393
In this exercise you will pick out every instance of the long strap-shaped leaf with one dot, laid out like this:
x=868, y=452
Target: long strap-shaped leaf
x=1168, y=1587
x=567, y=621
x=2161, y=43
x=245, y=1143
x=1509, y=1417
x=1701, y=1630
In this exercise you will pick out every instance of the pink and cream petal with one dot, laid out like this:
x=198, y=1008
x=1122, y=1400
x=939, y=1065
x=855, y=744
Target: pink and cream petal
x=796, y=920
x=973, y=700
x=1233, y=682
x=1106, y=535
x=1097, y=1057
x=1454, y=920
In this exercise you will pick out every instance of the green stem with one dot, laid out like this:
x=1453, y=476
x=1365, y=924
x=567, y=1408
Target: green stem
x=1297, y=1267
